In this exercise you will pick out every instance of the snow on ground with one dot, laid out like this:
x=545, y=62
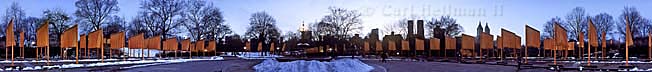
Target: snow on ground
x=257, y=55
x=136, y=52
x=340, y=65
x=99, y=64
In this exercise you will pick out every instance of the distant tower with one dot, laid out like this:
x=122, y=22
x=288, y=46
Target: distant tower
x=479, y=29
x=486, y=28
x=420, y=29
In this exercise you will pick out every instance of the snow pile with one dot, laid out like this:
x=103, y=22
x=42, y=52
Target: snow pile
x=341, y=65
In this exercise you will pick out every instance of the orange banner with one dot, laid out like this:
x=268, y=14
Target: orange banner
x=272, y=47
x=450, y=43
x=391, y=45
x=170, y=44
x=560, y=37
x=548, y=44
x=260, y=46
x=21, y=41
x=405, y=45
x=118, y=40
x=570, y=46
x=434, y=44
x=499, y=42
x=95, y=39
x=69, y=37
x=10, y=40
x=532, y=37
x=593, y=35
x=467, y=42
x=185, y=45
x=82, y=41
x=487, y=41
x=42, y=35
x=366, y=46
x=379, y=46
x=510, y=40
x=628, y=34
x=419, y=44
x=154, y=43
x=200, y=45
x=137, y=41
x=211, y=45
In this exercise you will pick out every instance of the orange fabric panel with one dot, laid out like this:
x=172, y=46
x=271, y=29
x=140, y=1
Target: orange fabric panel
x=379, y=46
x=200, y=45
x=560, y=37
x=467, y=42
x=247, y=46
x=510, y=40
x=581, y=39
x=42, y=35
x=170, y=44
x=548, y=44
x=391, y=45
x=21, y=41
x=185, y=45
x=82, y=41
x=69, y=37
x=487, y=41
x=137, y=41
x=628, y=35
x=499, y=42
x=366, y=46
x=192, y=47
x=118, y=40
x=532, y=37
x=260, y=46
x=272, y=47
x=405, y=45
x=419, y=44
x=450, y=43
x=154, y=42
x=9, y=34
x=593, y=34
x=95, y=39
x=569, y=46
x=211, y=45
x=434, y=44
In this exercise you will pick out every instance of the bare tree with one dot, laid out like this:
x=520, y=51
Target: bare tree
x=204, y=21
x=548, y=27
x=447, y=24
x=342, y=22
x=640, y=26
x=30, y=32
x=603, y=22
x=59, y=21
x=576, y=22
x=398, y=27
x=262, y=26
x=94, y=13
x=16, y=12
x=162, y=17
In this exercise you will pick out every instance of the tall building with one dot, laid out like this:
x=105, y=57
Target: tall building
x=486, y=28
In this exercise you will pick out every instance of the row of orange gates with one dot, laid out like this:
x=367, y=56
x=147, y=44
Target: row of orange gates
x=96, y=40
x=509, y=40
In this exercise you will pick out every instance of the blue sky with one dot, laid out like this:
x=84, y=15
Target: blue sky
x=289, y=14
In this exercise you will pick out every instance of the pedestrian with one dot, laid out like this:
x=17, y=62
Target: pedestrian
x=384, y=57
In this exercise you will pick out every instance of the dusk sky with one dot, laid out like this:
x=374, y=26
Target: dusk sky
x=509, y=14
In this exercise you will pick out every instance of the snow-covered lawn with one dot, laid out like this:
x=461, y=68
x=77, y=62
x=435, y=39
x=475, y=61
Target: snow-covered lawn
x=99, y=64
x=340, y=65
